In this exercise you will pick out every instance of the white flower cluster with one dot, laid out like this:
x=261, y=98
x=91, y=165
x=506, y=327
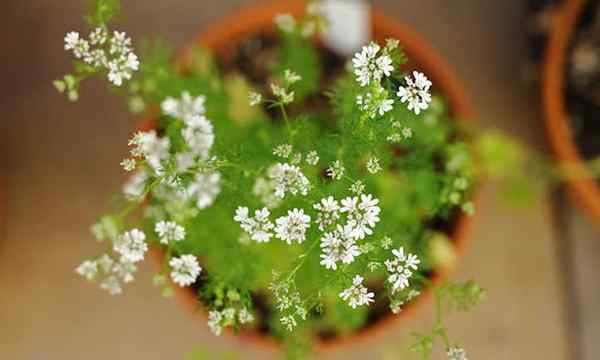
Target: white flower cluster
x=339, y=243
x=416, y=92
x=373, y=165
x=287, y=178
x=169, y=231
x=456, y=353
x=357, y=294
x=289, y=228
x=185, y=270
x=198, y=135
x=288, y=302
x=131, y=247
x=336, y=170
x=148, y=146
x=265, y=190
x=399, y=133
x=198, y=130
x=308, y=26
x=103, y=52
x=217, y=320
x=259, y=227
x=375, y=102
x=371, y=66
x=400, y=269
x=329, y=212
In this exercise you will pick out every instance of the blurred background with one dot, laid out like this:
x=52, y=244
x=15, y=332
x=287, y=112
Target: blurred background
x=59, y=163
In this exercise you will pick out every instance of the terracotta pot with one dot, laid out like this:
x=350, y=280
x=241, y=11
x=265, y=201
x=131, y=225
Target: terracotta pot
x=229, y=31
x=581, y=186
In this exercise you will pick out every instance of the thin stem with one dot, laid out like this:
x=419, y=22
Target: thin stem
x=285, y=118
x=303, y=260
x=439, y=323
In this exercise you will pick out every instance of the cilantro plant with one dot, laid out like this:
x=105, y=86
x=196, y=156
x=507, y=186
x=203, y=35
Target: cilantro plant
x=281, y=215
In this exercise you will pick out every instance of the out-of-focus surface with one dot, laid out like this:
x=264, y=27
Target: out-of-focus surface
x=60, y=163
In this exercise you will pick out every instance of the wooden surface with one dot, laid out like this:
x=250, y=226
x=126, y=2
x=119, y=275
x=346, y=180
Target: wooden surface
x=60, y=162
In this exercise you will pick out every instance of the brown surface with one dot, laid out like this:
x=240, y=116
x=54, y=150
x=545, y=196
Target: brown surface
x=62, y=163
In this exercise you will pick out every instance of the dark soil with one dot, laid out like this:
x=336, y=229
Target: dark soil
x=583, y=82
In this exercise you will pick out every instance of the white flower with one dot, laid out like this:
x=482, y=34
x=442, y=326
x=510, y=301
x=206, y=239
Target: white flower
x=328, y=210
x=384, y=106
x=284, y=96
x=357, y=294
x=384, y=64
x=361, y=216
x=407, y=132
x=125, y=271
x=97, y=58
x=285, y=22
x=169, y=231
x=254, y=98
x=88, y=269
x=152, y=148
x=375, y=102
x=112, y=285
x=98, y=36
x=283, y=150
x=312, y=158
x=71, y=40
x=259, y=228
x=373, y=265
x=336, y=170
x=121, y=68
x=105, y=263
x=456, y=353
x=245, y=316
x=265, y=190
x=289, y=321
x=386, y=242
x=184, y=108
x=214, y=322
x=338, y=245
x=199, y=135
x=288, y=179
x=205, y=188
x=401, y=269
x=367, y=67
x=416, y=92
x=135, y=185
x=291, y=77
x=131, y=245
x=357, y=187
x=293, y=226
x=79, y=46
x=128, y=164
x=185, y=270
x=296, y=159
x=120, y=43
x=373, y=165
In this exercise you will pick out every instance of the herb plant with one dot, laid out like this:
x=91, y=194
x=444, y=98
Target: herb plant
x=282, y=215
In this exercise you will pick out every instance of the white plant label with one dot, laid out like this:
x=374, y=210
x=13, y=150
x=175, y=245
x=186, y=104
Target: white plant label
x=349, y=24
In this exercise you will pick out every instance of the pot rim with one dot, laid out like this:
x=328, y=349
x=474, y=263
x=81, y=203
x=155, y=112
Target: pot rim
x=259, y=18
x=584, y=190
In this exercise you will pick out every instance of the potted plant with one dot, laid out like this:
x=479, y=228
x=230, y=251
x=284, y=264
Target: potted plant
x=571, y=98
x=297, y=197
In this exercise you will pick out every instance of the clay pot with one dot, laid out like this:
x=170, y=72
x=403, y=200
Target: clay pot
x=581, y=186
x=258, y=19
